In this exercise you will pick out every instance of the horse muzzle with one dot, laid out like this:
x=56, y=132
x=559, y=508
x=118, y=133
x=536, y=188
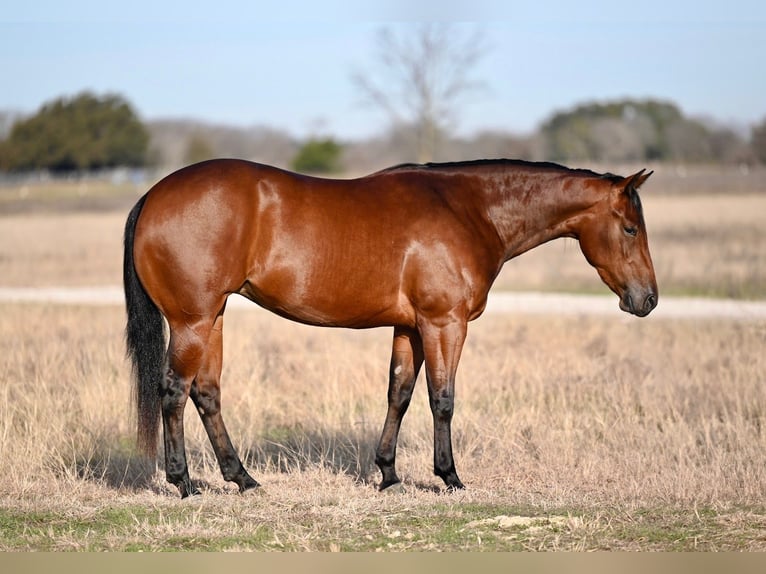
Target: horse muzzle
x=639, y=304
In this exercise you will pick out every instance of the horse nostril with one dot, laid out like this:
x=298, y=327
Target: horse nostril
x=650, y=303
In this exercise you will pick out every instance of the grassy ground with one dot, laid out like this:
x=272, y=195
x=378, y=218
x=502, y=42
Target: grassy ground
x=421, y=523
x=570, y=434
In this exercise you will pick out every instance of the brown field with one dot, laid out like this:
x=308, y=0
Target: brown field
x=571, y=433
x=600, y=433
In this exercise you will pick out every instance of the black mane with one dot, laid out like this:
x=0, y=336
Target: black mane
x=502, y=163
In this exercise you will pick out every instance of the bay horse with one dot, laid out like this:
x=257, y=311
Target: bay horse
x=413, y=247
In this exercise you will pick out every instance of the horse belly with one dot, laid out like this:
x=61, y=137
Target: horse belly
x=321, y=290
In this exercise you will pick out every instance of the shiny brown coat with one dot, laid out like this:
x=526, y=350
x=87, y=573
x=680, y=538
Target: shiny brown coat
x=413, y=247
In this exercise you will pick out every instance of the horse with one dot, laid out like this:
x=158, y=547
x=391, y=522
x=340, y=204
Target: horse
x=413, y=247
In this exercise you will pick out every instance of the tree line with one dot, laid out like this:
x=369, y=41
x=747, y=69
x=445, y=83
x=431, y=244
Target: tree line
x=85, y=132
x=91, y=132
x=643, y=130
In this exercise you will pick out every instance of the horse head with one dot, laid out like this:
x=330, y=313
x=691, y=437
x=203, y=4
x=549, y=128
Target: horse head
x=614, y=241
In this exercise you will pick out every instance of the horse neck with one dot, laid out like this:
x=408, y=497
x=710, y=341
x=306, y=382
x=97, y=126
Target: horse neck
x=529, y=209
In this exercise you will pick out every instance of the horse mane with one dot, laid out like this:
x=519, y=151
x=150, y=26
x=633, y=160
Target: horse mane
x=510, y=163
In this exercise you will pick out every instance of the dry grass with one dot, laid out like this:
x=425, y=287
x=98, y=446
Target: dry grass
x=574, y=433
x=70, y=249
x=599, y=432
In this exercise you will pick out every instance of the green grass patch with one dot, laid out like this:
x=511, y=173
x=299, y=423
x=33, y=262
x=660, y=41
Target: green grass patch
x=128, y=529
x=423, y=527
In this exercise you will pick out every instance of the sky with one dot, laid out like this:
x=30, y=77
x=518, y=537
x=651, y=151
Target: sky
x=288, y=65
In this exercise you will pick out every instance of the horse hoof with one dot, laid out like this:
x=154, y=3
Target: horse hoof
x=246, y=483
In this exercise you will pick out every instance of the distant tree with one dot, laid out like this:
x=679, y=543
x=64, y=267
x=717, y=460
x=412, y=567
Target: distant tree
x=688, y=140
x=420, y=80
x=758, y=141
x=318, y=156
x=615, y=139
x=631, y=130
x=198, y=149
x=728, y=146
x=80, y=133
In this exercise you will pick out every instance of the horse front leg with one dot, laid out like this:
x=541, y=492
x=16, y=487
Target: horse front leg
x=442, y=346
x=406, y=360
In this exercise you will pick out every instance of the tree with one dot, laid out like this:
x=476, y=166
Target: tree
x=422, y=78
x=633, y=130
x=318, y=156
x=758, y=141
x=79, y=133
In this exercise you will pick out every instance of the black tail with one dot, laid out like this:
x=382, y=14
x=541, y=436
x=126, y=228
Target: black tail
x=145, y=338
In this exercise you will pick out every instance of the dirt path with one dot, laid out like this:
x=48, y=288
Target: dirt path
x=499, y=302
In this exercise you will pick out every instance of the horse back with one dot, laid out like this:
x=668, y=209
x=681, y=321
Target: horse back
x=358, y=253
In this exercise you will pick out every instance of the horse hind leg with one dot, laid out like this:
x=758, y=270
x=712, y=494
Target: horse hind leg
x=206, y=395
x=185, y=356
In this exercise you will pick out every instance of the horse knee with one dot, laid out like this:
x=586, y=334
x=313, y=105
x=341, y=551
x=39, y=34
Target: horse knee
x=442, y=407
x=400, y=396
x=207, y=398
x=401, y=385
x=173, y=391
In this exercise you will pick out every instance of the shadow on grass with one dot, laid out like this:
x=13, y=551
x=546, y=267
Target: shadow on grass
x=118, y=466
x=290, y=449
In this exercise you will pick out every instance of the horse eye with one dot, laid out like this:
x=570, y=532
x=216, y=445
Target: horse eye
x=632, y=231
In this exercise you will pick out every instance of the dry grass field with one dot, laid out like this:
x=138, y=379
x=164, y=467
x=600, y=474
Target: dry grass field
x=571, y=433
x=576, y=433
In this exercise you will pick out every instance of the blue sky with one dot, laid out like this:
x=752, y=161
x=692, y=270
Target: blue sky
x=289, y=64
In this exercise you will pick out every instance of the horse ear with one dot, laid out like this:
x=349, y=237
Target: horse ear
x=641, y=179
x=636, y=180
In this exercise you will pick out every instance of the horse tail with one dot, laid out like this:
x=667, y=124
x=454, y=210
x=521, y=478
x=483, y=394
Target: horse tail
x=145, y=340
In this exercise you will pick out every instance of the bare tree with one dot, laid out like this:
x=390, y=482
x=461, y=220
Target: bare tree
x=758, y=140
x=421, y=79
